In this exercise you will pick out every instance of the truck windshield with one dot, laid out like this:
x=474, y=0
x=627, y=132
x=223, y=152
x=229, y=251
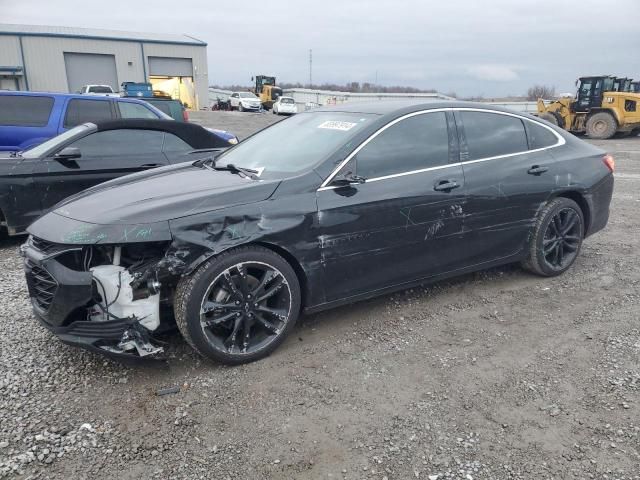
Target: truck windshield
x=100, y=89
x=296, y=144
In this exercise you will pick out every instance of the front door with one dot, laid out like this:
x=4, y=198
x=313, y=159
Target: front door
x=405, y=222
x=104, y=155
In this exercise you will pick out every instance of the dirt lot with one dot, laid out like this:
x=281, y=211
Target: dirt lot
x=496, y=375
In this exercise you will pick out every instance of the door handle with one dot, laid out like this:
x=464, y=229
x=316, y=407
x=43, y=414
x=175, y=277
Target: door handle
x=151, y=165
x=445, y=185
x=537, y=170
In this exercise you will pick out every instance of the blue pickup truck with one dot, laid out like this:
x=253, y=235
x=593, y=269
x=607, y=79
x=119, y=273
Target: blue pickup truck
x=29, y=118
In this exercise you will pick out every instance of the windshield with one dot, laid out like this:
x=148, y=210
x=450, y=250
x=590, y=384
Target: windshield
x=100, y=89
x=286, y=100
x=247, y=95
x=296, y=144
x=39, y=150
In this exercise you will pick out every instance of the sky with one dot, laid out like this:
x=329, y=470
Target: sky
x=491, y=48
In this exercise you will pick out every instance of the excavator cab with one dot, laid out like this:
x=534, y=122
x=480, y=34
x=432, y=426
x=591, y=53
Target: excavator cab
x=622, y=85
x=590, y=92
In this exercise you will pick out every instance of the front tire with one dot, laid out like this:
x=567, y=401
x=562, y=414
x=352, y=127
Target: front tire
x=238, y=306
x=557, y=238
x=240, y=108
x=601, y=126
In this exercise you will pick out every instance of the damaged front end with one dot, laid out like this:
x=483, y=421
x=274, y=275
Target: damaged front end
x=106, y=297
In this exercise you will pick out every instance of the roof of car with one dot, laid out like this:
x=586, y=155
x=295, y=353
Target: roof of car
x=193, y=134
x=384, y=107
x=73, y=95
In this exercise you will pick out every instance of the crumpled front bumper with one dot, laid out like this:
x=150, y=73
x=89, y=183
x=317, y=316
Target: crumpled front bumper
x=60, y=297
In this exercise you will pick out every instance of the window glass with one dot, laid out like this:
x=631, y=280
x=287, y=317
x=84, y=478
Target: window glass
x=162, y=106
x=82, y=111
x=539, y=137
x=120, y=142
x=24, y=111
x=414, y=143
x=133, y=110
x=493, y=134
x=172, y=143
x=53, y=143
x=298, y=143
x=100, y=89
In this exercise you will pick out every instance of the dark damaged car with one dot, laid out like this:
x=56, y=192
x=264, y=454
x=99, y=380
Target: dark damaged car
x=325, y=208
x=35, y=180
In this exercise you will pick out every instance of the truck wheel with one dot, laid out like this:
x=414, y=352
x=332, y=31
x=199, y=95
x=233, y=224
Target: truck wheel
x=239, y=306
x=557, y=238
x=601, y=126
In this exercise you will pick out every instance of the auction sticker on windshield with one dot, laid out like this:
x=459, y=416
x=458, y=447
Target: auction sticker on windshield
x=336, y=125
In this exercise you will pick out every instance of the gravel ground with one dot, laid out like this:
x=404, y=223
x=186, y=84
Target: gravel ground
x=495, y=375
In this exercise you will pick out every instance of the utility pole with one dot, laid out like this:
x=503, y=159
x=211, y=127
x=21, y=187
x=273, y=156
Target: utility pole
x=310, y=68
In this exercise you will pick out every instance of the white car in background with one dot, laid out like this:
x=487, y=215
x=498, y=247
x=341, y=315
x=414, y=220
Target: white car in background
x=285, y=106
x=244, y=101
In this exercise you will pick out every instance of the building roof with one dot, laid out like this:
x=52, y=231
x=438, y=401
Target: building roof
x=96, y=34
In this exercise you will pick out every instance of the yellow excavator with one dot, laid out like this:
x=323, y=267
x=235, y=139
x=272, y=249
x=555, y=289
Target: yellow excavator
x=603, y=107
x=267, y=90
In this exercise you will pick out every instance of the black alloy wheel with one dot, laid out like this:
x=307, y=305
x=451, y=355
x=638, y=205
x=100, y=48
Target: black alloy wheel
x=245, y=307
x=557, y=238
x=239, y=306
x=562, y=239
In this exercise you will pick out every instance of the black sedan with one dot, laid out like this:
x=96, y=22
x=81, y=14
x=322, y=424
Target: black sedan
x=325, y=208
x=34, y=180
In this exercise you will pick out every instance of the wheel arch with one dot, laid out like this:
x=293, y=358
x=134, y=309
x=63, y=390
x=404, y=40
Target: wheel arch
x=582, y=202
x=292, y=260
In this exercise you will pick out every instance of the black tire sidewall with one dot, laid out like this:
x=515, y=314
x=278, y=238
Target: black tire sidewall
x=612, y=123
x=558, y=204
x=211, y=270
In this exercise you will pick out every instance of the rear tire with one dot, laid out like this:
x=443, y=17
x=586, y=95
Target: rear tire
x=601, y=126
x=238, y=306
x=557, y=238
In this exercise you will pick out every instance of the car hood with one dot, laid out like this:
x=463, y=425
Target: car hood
x=164, y=194
x=247, y=99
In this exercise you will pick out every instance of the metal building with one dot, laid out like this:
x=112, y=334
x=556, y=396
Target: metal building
x=62, y=59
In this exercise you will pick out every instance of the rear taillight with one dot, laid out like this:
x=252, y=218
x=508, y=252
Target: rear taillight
x=609, y=162
x=185, y=115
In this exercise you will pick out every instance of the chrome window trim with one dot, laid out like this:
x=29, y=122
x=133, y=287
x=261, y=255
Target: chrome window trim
x=561, y=141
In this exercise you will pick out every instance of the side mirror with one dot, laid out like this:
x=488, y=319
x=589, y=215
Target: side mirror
x=68, y=153
x=347, y=180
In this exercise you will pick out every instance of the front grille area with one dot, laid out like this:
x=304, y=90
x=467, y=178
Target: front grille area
x=43, y=286
x=45, y=246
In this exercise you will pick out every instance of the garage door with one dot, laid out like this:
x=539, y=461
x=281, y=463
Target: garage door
x=170, y=67
x=90, y=69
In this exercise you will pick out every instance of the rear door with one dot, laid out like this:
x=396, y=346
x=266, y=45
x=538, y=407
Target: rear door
x=508, y=174
x=104, y=155
x=25, y=121
x=80, y=110
x=405, y=222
